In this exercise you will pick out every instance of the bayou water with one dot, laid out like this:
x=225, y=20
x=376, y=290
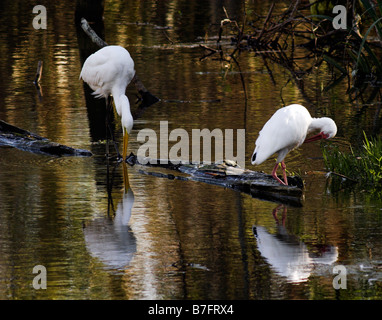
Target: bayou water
x=163, y=238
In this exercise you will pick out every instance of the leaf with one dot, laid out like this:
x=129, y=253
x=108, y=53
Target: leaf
x=373, y=14
x=368, y=48
x=334, y=63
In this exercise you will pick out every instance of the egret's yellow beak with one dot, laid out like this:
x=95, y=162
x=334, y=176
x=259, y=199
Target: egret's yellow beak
x=125, y=177
x=125, y=144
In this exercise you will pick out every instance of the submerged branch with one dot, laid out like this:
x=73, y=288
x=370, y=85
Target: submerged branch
x=12, y=136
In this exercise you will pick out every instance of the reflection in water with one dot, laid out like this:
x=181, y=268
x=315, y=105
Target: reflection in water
x=275, y=216
x=44, y=201
x=111, y=239
x=288, y=256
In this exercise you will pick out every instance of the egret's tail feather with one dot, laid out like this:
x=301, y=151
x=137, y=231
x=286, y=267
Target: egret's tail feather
x=97, y=94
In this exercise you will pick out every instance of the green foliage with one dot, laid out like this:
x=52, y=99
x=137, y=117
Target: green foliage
x=364, y=166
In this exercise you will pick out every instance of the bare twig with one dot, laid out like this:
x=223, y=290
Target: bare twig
x=266, y=21
x=91, y=33
x=37, y=79
x=38, y=73
x=241, y=77
x=342, y=176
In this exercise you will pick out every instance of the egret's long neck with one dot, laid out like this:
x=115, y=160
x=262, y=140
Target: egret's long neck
x=121, y=101
x=122, y=106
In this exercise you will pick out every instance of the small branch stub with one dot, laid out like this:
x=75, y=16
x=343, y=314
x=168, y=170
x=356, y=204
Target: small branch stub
x=90, y=32
x=38, y=73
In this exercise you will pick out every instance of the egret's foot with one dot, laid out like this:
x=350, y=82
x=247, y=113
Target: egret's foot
x=119, y=158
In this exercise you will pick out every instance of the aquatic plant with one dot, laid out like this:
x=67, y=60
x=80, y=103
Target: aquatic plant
x=363, y=165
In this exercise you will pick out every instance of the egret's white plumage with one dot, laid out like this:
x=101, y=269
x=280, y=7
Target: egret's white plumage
x=291, y=258
x=108, y=72
x=286, y=130
x=113, y=242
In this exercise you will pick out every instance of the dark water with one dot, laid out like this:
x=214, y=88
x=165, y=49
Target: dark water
x=168, y=239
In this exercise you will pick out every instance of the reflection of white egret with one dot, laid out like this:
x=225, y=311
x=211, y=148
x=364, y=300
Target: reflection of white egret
x=111, y=240
x=108, y=72
x=287, y=130
x=290, y=259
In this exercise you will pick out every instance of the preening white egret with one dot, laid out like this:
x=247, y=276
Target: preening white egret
x=108, y=72
x=286, y=130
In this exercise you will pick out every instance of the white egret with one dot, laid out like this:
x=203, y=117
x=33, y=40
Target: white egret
x=286, y=130
x=108, y=72
x=290, y=257
x=112, y=240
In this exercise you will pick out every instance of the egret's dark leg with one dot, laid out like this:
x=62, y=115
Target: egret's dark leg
x=109, y=110
x=107, y=126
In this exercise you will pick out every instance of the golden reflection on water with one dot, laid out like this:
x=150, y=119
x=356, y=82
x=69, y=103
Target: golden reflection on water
x=178, y=239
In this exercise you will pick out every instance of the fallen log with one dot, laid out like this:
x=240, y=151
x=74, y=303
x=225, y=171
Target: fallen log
x=228, y=175
x=12, y=136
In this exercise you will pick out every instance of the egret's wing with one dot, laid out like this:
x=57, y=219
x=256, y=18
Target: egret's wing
x=99, y=72
x=286, y=129
x=270, y=141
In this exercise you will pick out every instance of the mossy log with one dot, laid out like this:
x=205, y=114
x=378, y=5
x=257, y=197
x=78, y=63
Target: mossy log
x=24, y=140
x=229, y=175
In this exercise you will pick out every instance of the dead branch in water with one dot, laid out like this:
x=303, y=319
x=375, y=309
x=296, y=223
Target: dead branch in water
x=91, y=33
x=38, y=72
x=15, y=137
x=274, y=38
x=226, y=174
x=37, y=79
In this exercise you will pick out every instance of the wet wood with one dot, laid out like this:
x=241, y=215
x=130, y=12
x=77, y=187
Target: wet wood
x=91, y=33
x=13, y=136
x=228, y=175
